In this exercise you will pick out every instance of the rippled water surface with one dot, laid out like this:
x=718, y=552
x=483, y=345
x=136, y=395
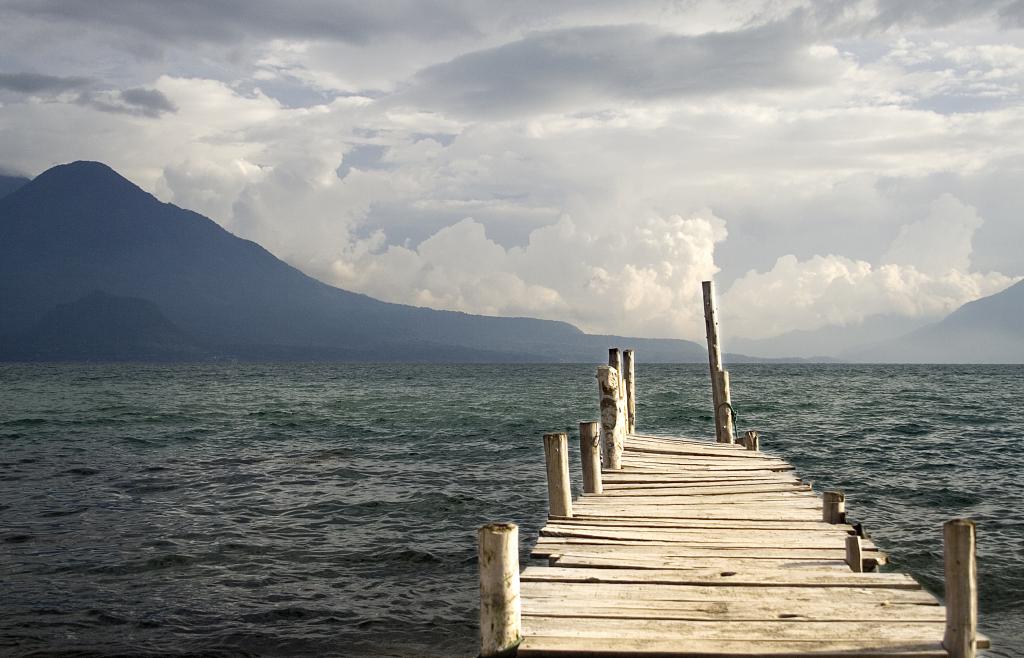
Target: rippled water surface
x=331, y=509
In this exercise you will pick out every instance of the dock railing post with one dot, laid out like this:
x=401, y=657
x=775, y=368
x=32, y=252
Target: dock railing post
x=833, y=507
x=629, y=383
x=500, y=607
x=590, y=456
x=556, y=458
x=751, y=440
x=613, y=423
x=961, y=639
x=724, y=431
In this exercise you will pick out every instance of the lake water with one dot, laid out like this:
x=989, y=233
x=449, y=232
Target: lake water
x=326, y=509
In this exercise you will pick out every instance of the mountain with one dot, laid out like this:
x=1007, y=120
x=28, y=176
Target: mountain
x=81, y=227
x=828, y=341
x=10, y=183
x=987, y=330
x=102, y=327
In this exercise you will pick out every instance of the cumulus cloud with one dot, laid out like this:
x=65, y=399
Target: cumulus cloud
x=926, y=272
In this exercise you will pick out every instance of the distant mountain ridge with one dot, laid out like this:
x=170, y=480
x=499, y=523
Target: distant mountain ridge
x=81, y=228
x=987, y=330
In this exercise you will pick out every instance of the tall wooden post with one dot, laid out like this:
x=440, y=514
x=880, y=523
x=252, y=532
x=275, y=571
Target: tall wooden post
x=500, y=608
x=714, y=355
x=629, y=382
x=590, y=455
x=556, y=457
x=724, y=431
x=613, y=423
x=961, y=639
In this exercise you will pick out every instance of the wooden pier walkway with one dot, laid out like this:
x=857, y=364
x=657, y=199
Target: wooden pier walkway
x=680, y=547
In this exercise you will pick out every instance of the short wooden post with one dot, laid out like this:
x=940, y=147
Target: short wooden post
x=590, y=455
x=854, y=553
x=629, y=383
x=500, y=609
x=833, y=509
x=613, y=423
x=961, y=639
x=714, y=348
x=556, y=457
x=724, y=431
x=751, y=440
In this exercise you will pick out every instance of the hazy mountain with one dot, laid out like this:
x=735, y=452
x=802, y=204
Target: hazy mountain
x=987, y=330
x=101, y=327
x=81, y=227
x=829, y=341
x=10, y=183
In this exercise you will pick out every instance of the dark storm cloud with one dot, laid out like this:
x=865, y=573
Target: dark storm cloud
x=559, y=69
x=35, y=83
x=233, y=20
x=139, y=102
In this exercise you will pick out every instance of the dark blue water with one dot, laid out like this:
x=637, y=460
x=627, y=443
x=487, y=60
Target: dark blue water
x=331, y=509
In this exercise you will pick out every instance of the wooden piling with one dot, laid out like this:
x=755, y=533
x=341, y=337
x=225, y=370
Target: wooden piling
x=590, y=455
x=615, y=359
x=629, y=384
x=711, y=327
x=556, y=457
x=724, y=431
x=613, y=424
x=854, y=554
x=961, y=588
x=833, y=508
x=500, y=607
x=751, y=440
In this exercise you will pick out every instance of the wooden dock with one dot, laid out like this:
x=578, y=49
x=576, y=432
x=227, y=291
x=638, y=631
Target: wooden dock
x=680, y=547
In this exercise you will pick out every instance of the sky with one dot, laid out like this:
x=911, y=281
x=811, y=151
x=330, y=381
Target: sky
x=824, y=162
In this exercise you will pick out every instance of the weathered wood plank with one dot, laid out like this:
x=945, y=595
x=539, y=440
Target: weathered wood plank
x=807, y=578
x=547, y=548
x=553, y=645
x=630, y=592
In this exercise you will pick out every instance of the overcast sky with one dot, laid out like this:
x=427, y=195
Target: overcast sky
x=583, y=161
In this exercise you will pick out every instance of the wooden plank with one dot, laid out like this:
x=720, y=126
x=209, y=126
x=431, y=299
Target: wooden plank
x=834, y=538
x=738, y=524
x=554, y=645
x=809, y=632
x=630, y=592
x=805, y=578
x=768, y=609
x=643, y=549
x=693, y=512
x=623, y=561
x=727, y=490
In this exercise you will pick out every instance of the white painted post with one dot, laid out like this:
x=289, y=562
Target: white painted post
x=590, y=455
x=613, y=423
x=961, y=639
x=500, y=608
x=556, y=458
x=629, y=381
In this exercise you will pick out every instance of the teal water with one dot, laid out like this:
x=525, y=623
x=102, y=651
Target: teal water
x=286, y=509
